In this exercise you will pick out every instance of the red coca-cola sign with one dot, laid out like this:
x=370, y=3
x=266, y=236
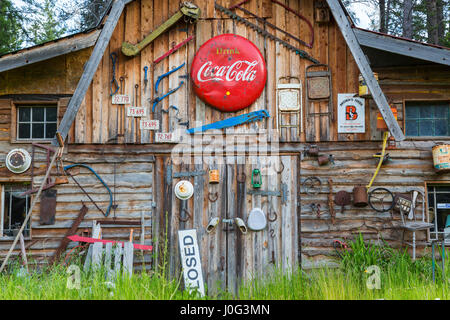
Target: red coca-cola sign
x=229, y=72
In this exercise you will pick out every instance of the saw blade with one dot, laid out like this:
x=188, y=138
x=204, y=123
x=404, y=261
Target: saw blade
x=263, y=32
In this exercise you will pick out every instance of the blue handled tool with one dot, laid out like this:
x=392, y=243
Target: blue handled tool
x=234, y=121
x=158, y=99
x=166, y=75
x=145, y=77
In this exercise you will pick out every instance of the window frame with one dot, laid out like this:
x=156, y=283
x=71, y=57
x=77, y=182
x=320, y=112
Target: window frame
x=405, y=101
x=15, y=121
x=435, y=184
x=2, y=211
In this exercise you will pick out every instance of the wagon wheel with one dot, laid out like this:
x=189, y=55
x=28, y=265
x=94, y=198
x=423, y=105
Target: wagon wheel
x=381, y=199
x=312, y=185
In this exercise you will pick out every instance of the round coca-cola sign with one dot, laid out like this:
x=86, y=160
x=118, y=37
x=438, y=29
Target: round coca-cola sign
x=229, y=72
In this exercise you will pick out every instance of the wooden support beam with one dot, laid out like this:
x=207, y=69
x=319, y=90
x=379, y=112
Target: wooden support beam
x=364, y=67
x=403, y=47
x=90, y=69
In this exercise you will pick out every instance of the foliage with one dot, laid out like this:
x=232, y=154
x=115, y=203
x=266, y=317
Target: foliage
x=10, y=30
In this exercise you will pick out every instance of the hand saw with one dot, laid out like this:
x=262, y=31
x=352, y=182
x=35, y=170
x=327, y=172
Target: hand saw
x=187, y=10
x=263, y=32
x=234, y=121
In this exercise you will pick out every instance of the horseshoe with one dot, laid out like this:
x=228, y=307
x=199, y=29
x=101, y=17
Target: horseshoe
x=282, y=167
x=213, y=196
x=188, y=215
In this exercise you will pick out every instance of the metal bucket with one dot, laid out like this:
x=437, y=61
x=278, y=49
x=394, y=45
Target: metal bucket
x=441, y=158
x=360, y=198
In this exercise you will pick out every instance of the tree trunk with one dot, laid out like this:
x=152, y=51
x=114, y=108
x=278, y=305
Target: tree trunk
x=432, y=22
x=407, y=19
x=383, y=28
x=440, y=20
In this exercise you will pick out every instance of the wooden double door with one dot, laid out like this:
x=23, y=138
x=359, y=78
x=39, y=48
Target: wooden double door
x=228, y=256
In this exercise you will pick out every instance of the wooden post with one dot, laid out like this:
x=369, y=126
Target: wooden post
x=128, y=259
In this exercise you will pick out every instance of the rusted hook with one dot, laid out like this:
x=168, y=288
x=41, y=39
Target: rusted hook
x=274, y=214
x=213, y=196
x=241, y=178
x=187, y=214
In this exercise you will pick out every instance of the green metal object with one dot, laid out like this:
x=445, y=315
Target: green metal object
x=256, y=178
x=188, y=10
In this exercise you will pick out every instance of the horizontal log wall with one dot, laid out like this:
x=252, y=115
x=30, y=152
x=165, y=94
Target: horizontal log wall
x=411, y=165
x=132, y=184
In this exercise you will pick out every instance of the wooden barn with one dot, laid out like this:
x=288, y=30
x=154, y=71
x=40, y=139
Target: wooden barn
x=294, y=149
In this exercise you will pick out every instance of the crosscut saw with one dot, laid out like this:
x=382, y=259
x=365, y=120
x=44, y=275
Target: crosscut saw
x=188, y=10
x=263, y=32
x=234, y=121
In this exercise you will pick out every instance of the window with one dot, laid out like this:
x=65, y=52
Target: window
x=36, y=122
x=429, y=119
x=439, y=210
x=14, y=209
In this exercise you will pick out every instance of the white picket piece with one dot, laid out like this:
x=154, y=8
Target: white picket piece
x=128, y=258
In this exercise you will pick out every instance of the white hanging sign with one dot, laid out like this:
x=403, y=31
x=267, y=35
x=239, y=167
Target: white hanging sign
x=136, y=111
x=190, y=260
x=165, y=137
x=351, y=113
x=121, y=99
x=149, y=124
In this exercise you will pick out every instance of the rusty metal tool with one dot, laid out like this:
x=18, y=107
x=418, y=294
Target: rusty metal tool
x=73, y=229
x=188, y=10
x=232, y=15
x=265, y=22
x=330, y=201
x=311, y=29
x=175, y=48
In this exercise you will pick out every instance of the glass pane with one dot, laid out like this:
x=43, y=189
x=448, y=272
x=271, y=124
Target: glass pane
x=38, y=131
x=426, y=128
x=50, y=130
x=441, y=127
x=38, y=114
x=425, y=112
x=24, y=114
x=51, y=114
x=24, y=131
x=412, y=128
x=441, y=112
x=412, y=112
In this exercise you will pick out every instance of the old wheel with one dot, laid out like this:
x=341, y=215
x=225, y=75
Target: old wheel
x=381, y=199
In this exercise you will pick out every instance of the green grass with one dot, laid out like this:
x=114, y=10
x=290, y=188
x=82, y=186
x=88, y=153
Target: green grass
x=400, y=278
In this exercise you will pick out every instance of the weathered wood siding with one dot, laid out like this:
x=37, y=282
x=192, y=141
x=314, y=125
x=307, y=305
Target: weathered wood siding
x=97, y=117
x=228, y=257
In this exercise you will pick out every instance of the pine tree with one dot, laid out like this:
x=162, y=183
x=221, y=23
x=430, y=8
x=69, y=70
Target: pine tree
x=47, y=26
x=10, y=27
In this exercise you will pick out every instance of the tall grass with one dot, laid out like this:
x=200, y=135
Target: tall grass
x=400, y=278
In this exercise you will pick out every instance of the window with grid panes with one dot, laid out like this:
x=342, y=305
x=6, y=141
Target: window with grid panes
x=36, y=122
x=427, y=119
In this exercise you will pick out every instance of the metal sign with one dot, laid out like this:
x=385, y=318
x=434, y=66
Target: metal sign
x=229, y=72
x=351, y=114
x=149, y=124
x=190, y=260
x=121, y=99
x=136, y=112
x=165, y=137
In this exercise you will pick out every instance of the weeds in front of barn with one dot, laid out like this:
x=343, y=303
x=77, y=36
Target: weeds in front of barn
x=400, y=278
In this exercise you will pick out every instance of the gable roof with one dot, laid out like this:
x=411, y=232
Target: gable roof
x=402, y=46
